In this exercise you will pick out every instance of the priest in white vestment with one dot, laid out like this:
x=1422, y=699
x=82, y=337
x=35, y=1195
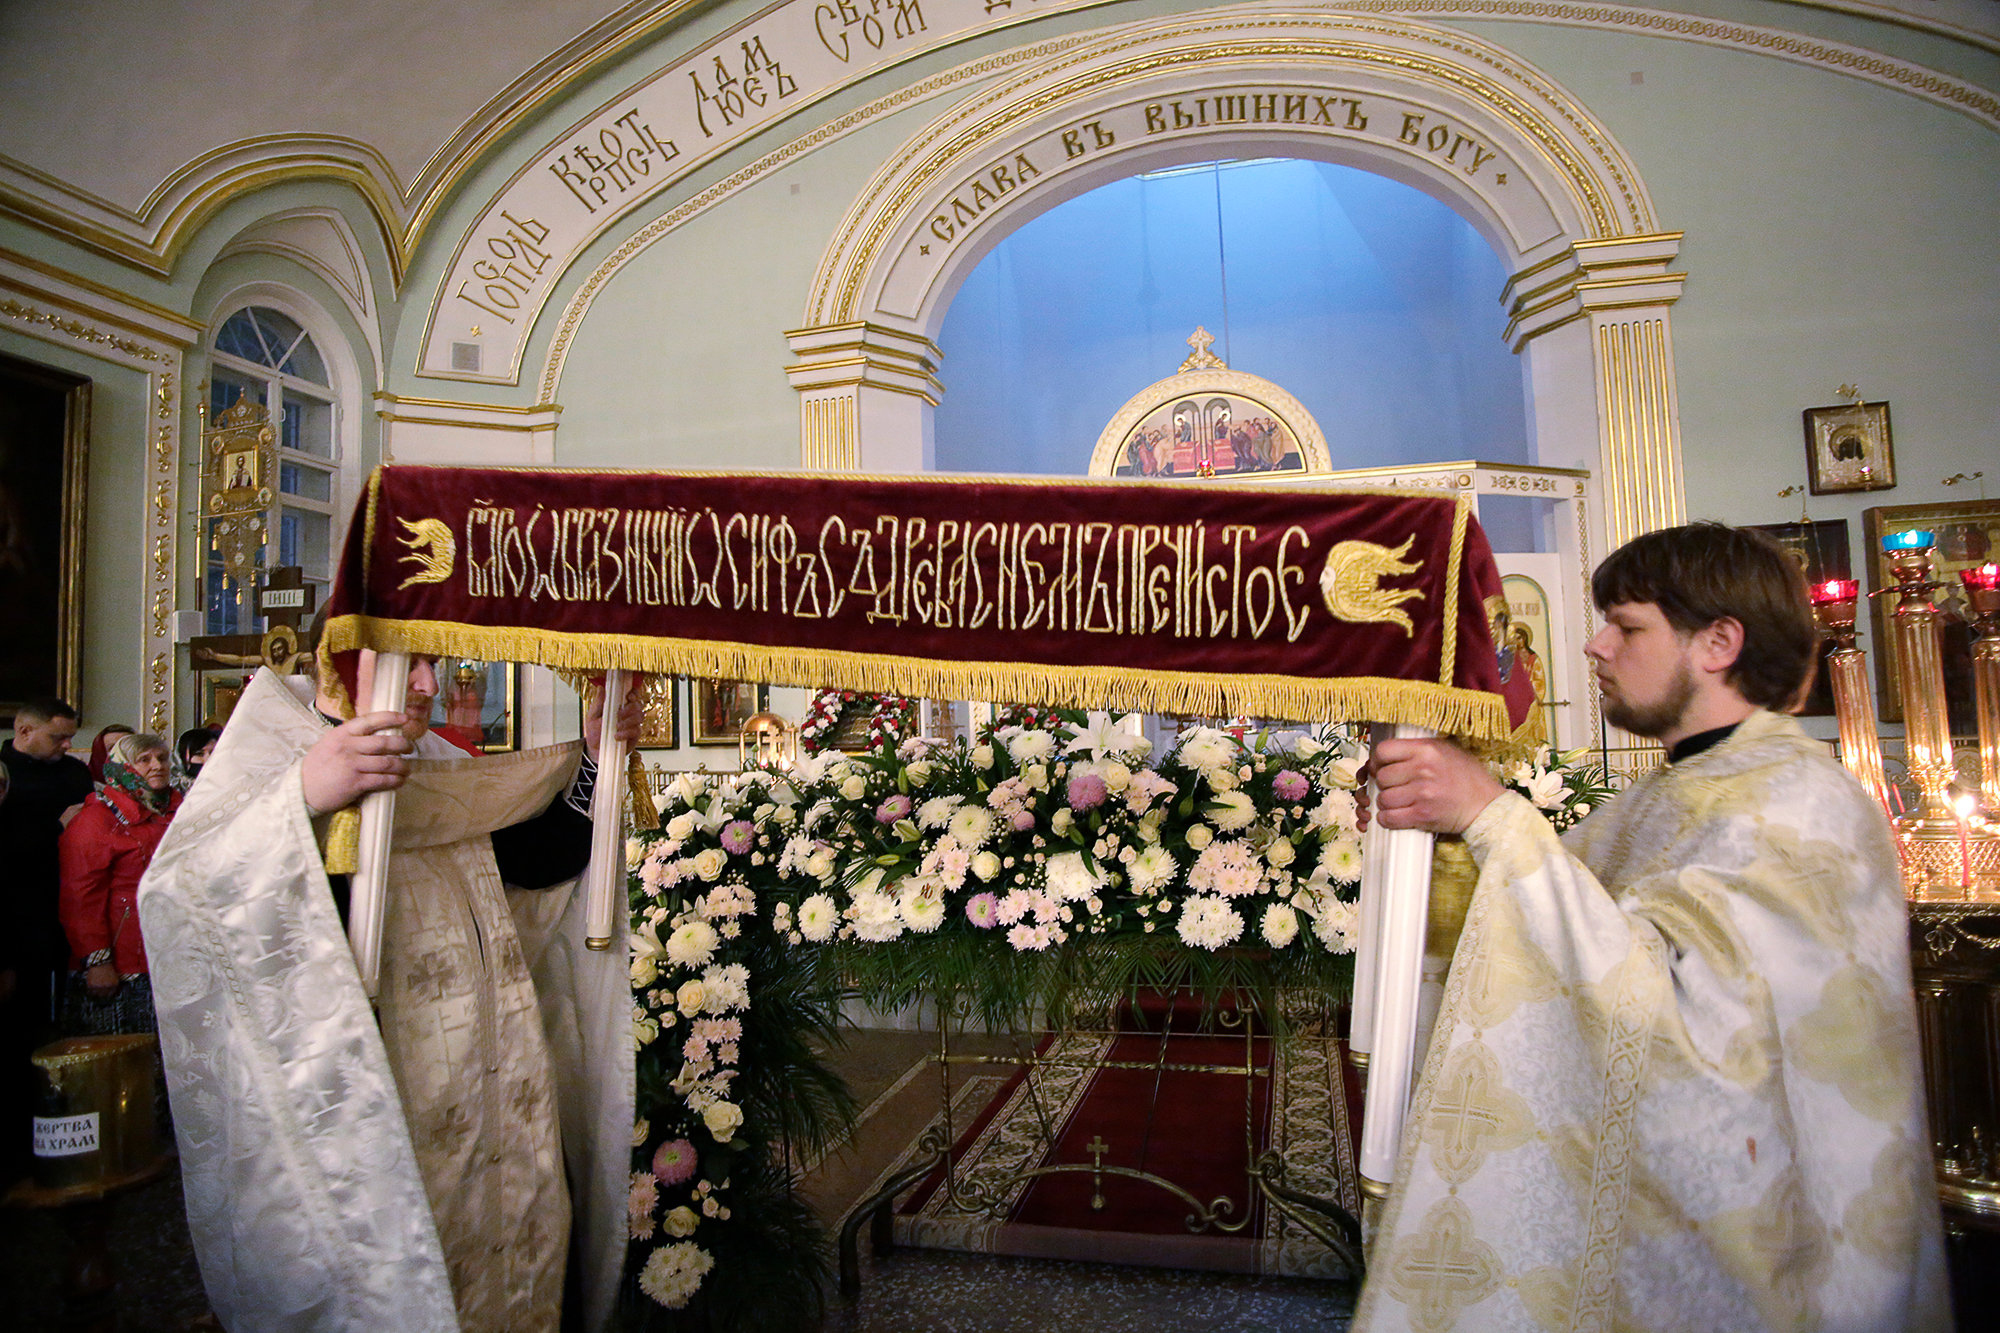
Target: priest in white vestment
x=1674, y=1083
x=338, y=1176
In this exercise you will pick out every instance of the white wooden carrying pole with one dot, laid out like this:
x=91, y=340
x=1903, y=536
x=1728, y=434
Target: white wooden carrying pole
x=1402, y=909
x=1367, y=949
x=367, y=888
x=604, y=881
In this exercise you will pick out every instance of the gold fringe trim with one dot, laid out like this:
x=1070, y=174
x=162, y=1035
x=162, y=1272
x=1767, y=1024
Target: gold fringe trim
x=342, y=853
x=1442, y=708
x=1448, y=658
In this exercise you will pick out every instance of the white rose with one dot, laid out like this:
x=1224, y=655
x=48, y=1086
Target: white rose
x=723, y=1119
x=710, y=862
x=1116, y=776
x=854, y=787
x=680, y=826
x=645, y=970
x=1308, y=747
x=1199, y=836
x=1036, y=775
x=1280, y=853
x=986, y=865
x=635, y=851
x=691, y=996
x=982, y=755
x=1344, y=773
x=1221, y=780
x=1062, y=821
x=680, y=1221
x=920, y=772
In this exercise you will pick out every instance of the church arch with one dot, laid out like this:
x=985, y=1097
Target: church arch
x=1465, y=121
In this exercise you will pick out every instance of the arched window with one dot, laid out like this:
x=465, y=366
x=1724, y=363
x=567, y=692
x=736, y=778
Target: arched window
x=269, y=357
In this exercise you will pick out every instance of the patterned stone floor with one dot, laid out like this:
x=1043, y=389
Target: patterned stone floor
x=940, y=1291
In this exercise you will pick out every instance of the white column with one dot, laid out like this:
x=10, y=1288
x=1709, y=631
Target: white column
x=866, y=392
x=367, y=890
x=1405, y=856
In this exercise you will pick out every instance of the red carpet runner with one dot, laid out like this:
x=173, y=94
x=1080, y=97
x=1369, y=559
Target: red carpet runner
x=1185, y=1125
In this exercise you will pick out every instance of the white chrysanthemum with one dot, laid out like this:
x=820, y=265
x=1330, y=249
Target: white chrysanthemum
x=1028, y=747
x=1338, y=926
x=970, y=825
x=1228, y=866
x=728, y=988
x=1206, y=749
x=1341, y=860
x=1153, y=869
x=1280, y=925
x=1208, y=923
x=1069, y=879
x=692, y=945
x=874, y=916
x=673, y=1273
x=1335, y=811
x=936, y=812
x=948, y=862
x=817, y=918
x=1232, y=810
x=922, y=907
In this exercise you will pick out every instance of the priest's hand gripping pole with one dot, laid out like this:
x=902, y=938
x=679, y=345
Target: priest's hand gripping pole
x=1402, y=902
x=367, y=896
x=604, y=882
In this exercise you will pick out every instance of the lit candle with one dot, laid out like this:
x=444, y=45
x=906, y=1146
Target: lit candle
x=1985, y=578
x=1913, y=540
x=1836, y=590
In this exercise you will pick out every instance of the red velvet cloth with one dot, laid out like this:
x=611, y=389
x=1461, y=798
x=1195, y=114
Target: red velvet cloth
x=809, y=578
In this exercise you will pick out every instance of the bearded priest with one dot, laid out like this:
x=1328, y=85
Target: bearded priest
x=1674, y=1082
x=340, y=1176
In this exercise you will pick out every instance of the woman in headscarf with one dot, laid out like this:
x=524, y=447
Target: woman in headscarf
x=191, y=751
x=100, y=748
x=103, y=852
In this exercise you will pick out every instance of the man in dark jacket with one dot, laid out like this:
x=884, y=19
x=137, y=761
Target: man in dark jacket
x=44, y=785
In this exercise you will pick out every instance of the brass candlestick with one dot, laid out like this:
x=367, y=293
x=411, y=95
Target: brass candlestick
x=1982, y=592
x=1948, y=856
x=1853, y=697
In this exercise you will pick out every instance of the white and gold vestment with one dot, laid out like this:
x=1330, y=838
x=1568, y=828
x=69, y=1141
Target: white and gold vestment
x=1674, y=1082
x=341, y=1177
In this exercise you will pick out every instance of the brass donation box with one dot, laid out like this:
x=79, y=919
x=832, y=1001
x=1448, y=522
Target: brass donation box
x=94, y=1121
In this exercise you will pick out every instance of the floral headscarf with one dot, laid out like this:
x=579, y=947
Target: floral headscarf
x=118, y=774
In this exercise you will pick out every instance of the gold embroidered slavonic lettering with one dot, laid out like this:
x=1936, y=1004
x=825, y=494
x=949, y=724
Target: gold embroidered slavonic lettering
x=1294, y=625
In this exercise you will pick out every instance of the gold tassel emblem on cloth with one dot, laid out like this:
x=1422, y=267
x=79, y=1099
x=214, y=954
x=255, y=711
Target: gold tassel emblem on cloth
x=1352, y=583
x=432, y=549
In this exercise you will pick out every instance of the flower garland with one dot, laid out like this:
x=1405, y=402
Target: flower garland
x=965, y=869
x=891, y=717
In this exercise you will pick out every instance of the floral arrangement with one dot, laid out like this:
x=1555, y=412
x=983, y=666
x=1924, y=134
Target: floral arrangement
x=1562, y=786
x=1023, y=876
x=891, y=717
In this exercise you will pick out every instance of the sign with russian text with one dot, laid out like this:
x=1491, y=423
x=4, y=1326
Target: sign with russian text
x=1302, y=602
x=65, y=1135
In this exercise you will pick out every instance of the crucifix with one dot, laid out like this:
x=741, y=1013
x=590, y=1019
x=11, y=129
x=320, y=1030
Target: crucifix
x=286, y=601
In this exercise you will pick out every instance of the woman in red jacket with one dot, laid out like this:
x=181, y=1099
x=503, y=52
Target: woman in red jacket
x=104, y=851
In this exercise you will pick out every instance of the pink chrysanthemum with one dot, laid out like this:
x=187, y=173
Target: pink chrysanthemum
x=1290, y=786
x=1086, y=791
x=738, y=836
x=675, y=1162
x=983, y=910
